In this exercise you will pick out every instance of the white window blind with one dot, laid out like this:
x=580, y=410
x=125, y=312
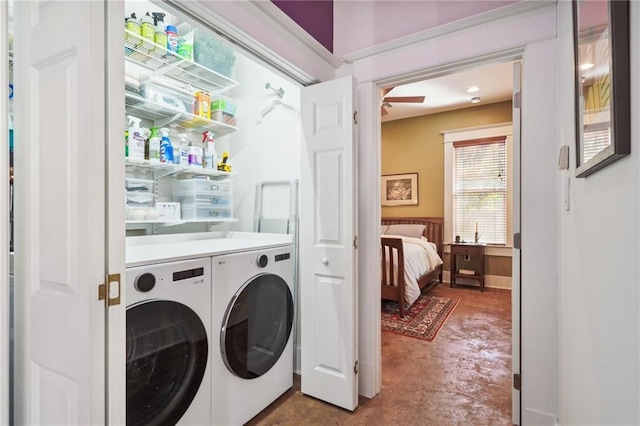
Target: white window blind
x=480, y=190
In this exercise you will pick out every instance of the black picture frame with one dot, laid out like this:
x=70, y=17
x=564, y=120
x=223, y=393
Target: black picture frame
x=602, y=83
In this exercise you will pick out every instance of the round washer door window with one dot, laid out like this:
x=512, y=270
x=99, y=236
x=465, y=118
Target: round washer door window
x=167, y=352
x=257, y=326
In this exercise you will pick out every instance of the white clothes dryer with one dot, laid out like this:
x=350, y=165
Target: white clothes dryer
x=253, y=317
x=168, y=343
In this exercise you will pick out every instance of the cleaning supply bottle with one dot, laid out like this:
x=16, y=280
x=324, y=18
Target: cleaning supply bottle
x=195, y=156
x=136, y=139
x=146, y=134
x=172, y=38
x=166, y=149
x=154, y=146
x=160, y=36
x=133, y=25
x=148, y=31
x=210, y=156
x=184, y=149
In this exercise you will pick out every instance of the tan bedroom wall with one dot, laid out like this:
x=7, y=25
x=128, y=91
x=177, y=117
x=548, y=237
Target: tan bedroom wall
x=416, y=145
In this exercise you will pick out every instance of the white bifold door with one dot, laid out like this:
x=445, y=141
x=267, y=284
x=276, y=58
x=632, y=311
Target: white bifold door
x=328, y=224
x=62, y=164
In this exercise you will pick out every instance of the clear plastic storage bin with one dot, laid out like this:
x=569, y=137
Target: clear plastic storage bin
x=206, y=212
x=201, y=186
x=139, y=185
x=224, y=110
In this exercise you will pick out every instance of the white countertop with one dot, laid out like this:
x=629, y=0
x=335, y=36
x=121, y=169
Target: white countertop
x=149, y=250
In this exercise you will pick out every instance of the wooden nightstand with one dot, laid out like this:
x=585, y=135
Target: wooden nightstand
x=471, y=250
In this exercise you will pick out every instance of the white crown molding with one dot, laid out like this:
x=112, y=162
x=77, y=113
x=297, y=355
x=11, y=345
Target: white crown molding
x=284, y=21
x=520, y=8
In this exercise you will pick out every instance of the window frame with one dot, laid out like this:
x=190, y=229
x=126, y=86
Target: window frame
x=497, y=130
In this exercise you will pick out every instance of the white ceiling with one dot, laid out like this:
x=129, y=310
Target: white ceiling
x=449, y=92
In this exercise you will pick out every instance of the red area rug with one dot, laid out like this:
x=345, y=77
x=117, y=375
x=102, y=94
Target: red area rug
x=422, y=320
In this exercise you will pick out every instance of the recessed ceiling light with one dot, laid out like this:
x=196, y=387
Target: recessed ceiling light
x=473, y=89
x=586, y=66
x=475, y=100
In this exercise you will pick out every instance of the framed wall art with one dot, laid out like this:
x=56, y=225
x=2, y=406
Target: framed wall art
x=400, y=190
x=602, y=101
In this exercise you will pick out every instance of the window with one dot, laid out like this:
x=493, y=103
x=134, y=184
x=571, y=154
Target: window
x=480, y=190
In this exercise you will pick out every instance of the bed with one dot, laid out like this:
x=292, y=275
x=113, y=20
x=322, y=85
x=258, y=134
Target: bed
x=404, y=274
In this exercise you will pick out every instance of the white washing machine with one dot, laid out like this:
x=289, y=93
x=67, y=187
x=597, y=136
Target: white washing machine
x=168, y=343
x=252, y=346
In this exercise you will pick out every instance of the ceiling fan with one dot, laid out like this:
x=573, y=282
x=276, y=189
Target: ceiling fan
x=386, y=101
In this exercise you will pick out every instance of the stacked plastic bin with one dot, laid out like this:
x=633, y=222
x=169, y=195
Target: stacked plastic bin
x=204, y=199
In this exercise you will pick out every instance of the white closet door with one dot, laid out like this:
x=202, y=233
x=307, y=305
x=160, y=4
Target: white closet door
x=328, y=219
x=60, y=211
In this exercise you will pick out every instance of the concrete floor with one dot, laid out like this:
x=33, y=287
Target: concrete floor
x=463, y=377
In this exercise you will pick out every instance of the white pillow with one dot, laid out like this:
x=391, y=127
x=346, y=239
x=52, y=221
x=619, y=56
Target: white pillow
x=383, y=229
x=425, y=239
x=406, y=230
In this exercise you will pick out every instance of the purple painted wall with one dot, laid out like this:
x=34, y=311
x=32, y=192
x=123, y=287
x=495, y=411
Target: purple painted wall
x=315, y=17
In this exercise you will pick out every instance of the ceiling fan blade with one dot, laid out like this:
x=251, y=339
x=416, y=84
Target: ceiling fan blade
x=385, y=91
x=383, y=111
x=408, y=99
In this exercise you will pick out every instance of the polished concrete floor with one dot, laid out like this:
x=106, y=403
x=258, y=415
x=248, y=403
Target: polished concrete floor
x=462, y=377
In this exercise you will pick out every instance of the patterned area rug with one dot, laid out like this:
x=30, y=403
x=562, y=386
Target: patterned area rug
x=422, y=320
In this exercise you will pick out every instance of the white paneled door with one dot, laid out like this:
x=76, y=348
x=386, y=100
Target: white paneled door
x=60, y=211
x=328, y=268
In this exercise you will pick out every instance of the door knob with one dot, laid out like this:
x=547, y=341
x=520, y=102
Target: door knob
x=325, y=261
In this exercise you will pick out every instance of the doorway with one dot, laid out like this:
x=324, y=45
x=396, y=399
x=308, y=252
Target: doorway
x=412, y=139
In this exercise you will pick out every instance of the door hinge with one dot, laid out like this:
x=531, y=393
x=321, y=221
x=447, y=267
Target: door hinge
x=355, y=242
x=112, y=283
x=355, y=117
x=355, y=368
x=517, y=99
x=517, y=241
x=517, y=381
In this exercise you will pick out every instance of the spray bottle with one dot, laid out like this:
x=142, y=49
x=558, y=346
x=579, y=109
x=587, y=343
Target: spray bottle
x=166, y=149
x=210, y=156
x=133, y=25
x=183, y=150
x=136, y=139
x=160, y=36
x=154, y=146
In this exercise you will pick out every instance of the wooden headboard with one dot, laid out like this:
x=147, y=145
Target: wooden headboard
x=434, y=230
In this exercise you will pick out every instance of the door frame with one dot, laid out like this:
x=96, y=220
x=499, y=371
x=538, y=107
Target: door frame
x=4, y=219
x=374, y=383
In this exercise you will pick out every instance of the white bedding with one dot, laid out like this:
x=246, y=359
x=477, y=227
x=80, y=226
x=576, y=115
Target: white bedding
x=420, y=257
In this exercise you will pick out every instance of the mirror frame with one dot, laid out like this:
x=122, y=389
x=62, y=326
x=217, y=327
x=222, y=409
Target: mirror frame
x=619, y=76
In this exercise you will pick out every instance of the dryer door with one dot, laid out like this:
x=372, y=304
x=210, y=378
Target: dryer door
x=257, y=326
x=167, y=352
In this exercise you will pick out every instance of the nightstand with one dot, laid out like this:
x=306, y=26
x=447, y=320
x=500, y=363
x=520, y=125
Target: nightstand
x=471, y=250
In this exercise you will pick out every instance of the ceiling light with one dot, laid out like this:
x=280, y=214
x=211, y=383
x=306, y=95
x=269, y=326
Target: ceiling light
x=475, y=100
x=586, y=66
x=473, y=89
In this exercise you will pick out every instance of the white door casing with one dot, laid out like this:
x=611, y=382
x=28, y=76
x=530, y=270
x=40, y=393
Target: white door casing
x=116, y=228
x=60, y=192
x=4, y=219
x=328, y=274
x=515, y=224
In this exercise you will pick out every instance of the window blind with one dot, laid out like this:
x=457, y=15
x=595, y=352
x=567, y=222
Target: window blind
x=480, y=190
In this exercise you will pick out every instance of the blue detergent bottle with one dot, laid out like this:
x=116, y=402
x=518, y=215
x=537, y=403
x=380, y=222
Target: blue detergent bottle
x=166, y=149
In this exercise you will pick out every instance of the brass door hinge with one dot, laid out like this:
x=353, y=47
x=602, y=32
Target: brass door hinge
x=355, y=368
x=105, y=290
x=355, y=242
x=517, y=100
x=517, y=381
x=517, y=241
x=355, y=117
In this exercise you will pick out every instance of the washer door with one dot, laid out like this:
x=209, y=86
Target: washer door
x=167, y=352
x=257, y=326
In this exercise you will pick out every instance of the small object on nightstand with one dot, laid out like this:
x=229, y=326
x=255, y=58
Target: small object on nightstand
x=466, y=272
x=457, y=238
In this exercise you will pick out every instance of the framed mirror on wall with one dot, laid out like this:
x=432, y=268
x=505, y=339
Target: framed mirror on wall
x=602, y=99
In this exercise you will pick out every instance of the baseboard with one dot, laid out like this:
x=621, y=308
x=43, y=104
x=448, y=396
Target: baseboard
x=490, y=281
